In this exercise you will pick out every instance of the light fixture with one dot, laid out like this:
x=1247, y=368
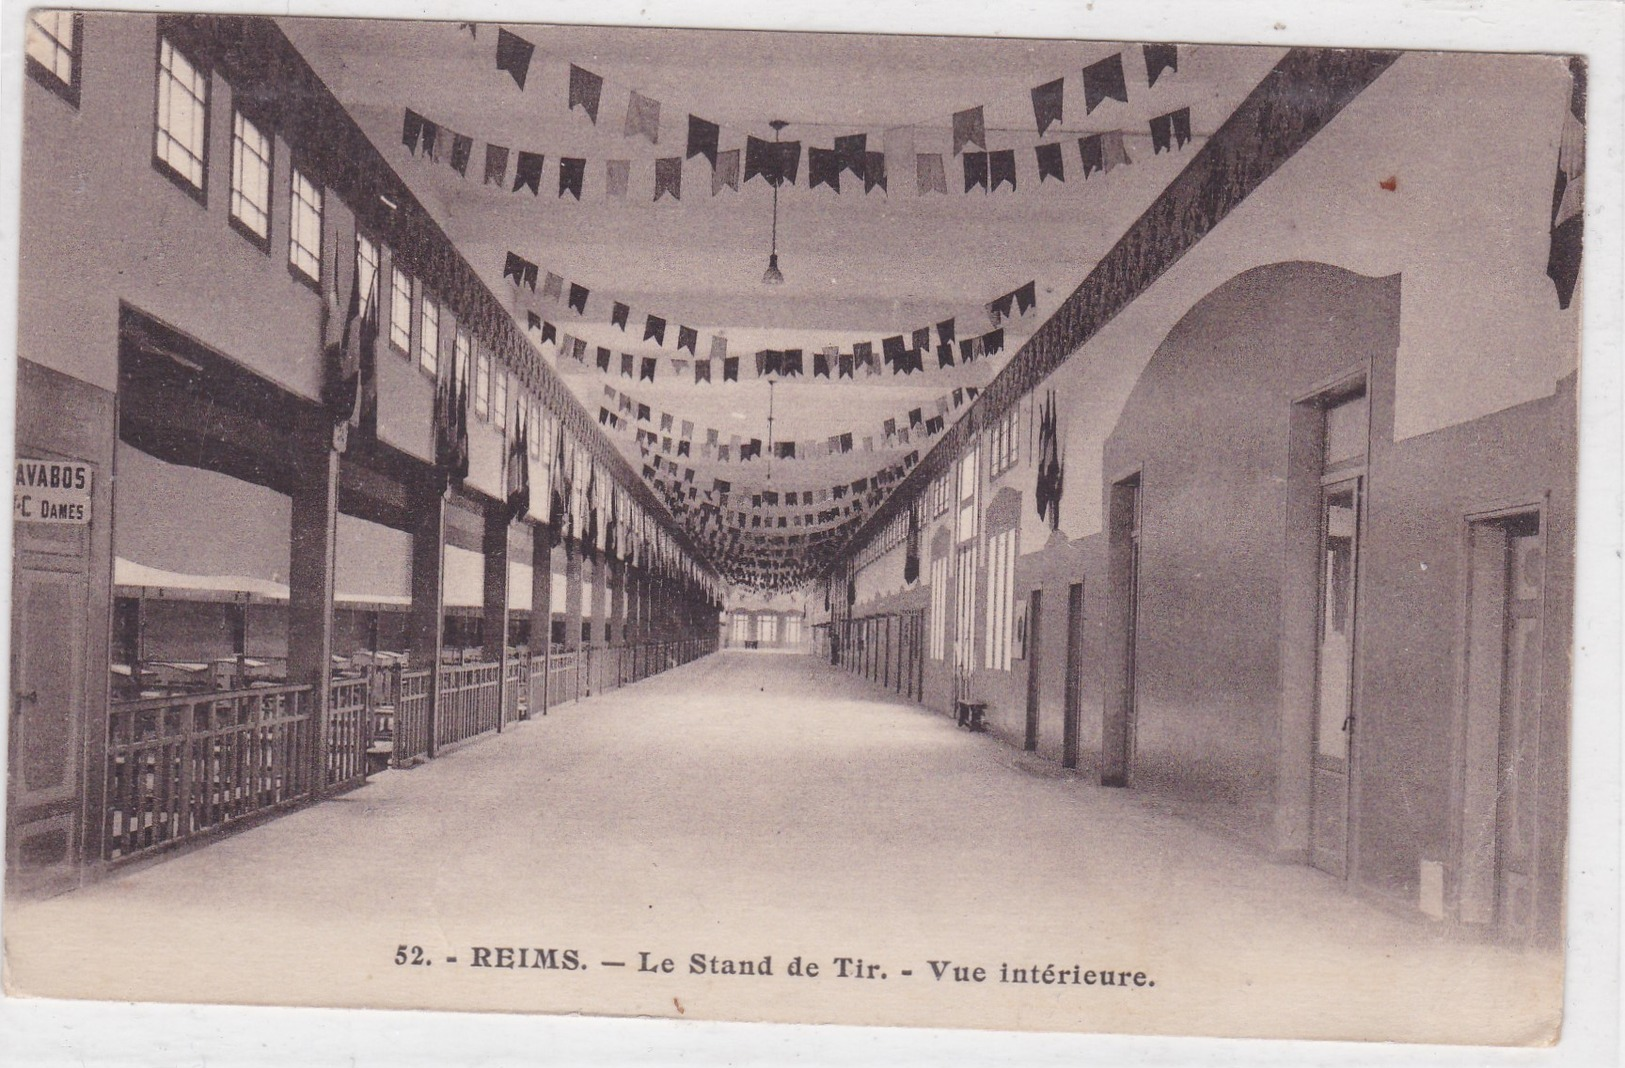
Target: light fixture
x=772, y=277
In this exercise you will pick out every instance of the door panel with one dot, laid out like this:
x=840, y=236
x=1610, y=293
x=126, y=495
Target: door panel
x=1334, y=706
x=1520, y=713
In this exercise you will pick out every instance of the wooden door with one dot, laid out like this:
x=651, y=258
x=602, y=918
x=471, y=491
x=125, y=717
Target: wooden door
x=1035, y=601
x=1072, y=710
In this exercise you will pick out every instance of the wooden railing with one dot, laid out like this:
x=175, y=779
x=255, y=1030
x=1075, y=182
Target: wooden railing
x=349, y=729
x=469, y=703
x=411, y=700
x=563, y=677
x=178, y=767
x=516, y=691
x=536, y=684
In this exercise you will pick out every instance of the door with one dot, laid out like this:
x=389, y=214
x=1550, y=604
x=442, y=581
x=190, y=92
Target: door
x=964, y=620
x=1120, y=721
x=1334, y=677
x=1072, y=710
x=1035, y=600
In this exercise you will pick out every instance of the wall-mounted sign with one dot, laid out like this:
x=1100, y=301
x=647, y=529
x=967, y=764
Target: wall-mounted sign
x=51, y=491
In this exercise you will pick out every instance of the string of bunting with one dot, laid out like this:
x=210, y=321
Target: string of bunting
x=903, y=353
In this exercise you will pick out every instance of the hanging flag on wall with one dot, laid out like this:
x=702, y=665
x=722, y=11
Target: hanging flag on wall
x=1568, y=194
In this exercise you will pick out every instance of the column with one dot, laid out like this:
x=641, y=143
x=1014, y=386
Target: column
x=494, y=631
x=541, y=608
x=312, y=553
x=572, y=597
x=617, y=617
x=424, y=628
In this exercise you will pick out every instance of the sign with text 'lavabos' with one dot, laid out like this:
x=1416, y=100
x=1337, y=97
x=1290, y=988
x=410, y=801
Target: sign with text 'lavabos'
x=51, y=491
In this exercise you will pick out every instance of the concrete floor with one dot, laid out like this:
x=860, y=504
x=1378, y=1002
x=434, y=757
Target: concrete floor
x=755, y=804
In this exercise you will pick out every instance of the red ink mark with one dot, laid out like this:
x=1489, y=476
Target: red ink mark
x=679, y=1005
x=1390, y=183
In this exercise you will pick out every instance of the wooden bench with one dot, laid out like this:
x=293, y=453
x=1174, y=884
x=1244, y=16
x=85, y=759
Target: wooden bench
x=970, y=715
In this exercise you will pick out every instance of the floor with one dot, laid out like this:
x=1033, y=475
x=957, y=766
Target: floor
x=758, y=804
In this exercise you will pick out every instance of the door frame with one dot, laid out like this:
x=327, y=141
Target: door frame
x=1328, y=482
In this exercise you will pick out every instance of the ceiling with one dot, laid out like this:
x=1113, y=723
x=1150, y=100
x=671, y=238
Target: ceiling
x=857, y=267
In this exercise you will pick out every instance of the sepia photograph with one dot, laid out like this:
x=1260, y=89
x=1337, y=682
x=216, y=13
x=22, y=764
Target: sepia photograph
x=526, y=512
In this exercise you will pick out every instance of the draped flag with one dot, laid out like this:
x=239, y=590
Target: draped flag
x=1047, y=104
x=589, y=535
x=571, y=171
x=823, y=168
x=585, y=89
x=451, y=422
x=975, y=170
x=725, y=171
x=642, y=118
x=528, y=172
x=518, y=473
x=1050, y=163
x=1158, y=58
x=496, y=165
x=702, y=139
x=617, y=177
x=1051, y=474
x=655, y=327
x=874, y=171
x=513, y=55
x=1568, y=194
x=1001, y=166
x=349, y=382
x=933, y=177
x=669, y=177
x=462, y=147
x=1104, y=81
x=969, y=129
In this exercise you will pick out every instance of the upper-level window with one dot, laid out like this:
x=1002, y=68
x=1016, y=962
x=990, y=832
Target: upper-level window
x=53, y=51
x=400, y=310
x=967, y=495
x=482, y=375
x=499, y=398
x=1346, y=422
x=181, y=143
x=366, y=268
x=429, y=338
x=250, y=178
x=1004, y=447
x=305, y=227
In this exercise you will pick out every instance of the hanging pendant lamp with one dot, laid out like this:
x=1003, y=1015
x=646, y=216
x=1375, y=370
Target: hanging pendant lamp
x=772, y=277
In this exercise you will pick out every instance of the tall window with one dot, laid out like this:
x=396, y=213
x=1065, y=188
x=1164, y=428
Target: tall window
x=429, y=338
x=250, y=178
x=1001, y=570
x=53, y=52
x=305, y=227
x=939, y=607
x=180, y=146
x=366, y=267
x=482, y=376
x=1003, y=446
x=499, y=398
x=967, y=495
x=400, y=310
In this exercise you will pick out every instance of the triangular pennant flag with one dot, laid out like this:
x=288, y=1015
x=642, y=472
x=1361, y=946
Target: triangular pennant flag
x=852, y=151
x=1104, y=81
x=725, y=171
x=462, y=147
x=642, y=118
x=1112, y=150
x=669, y=177
x=1001, y=166
x=969, y=129
x=975, y=170
x=702, y=139
x=585, y=88
x=496, y=165
x=1026, y=298
x=687, y=338
x=571, y=171
x=513, y=55
x=874, y=171
x=823, y=168
x=655, y=327
x=1158, y=58
x=932, y=177
x=578, y=298
x=528, y=172
x=1049, y=162
x=1047, y=104
x=617, y=177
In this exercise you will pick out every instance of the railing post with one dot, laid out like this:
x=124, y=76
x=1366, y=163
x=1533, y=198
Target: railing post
x=313, y=545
